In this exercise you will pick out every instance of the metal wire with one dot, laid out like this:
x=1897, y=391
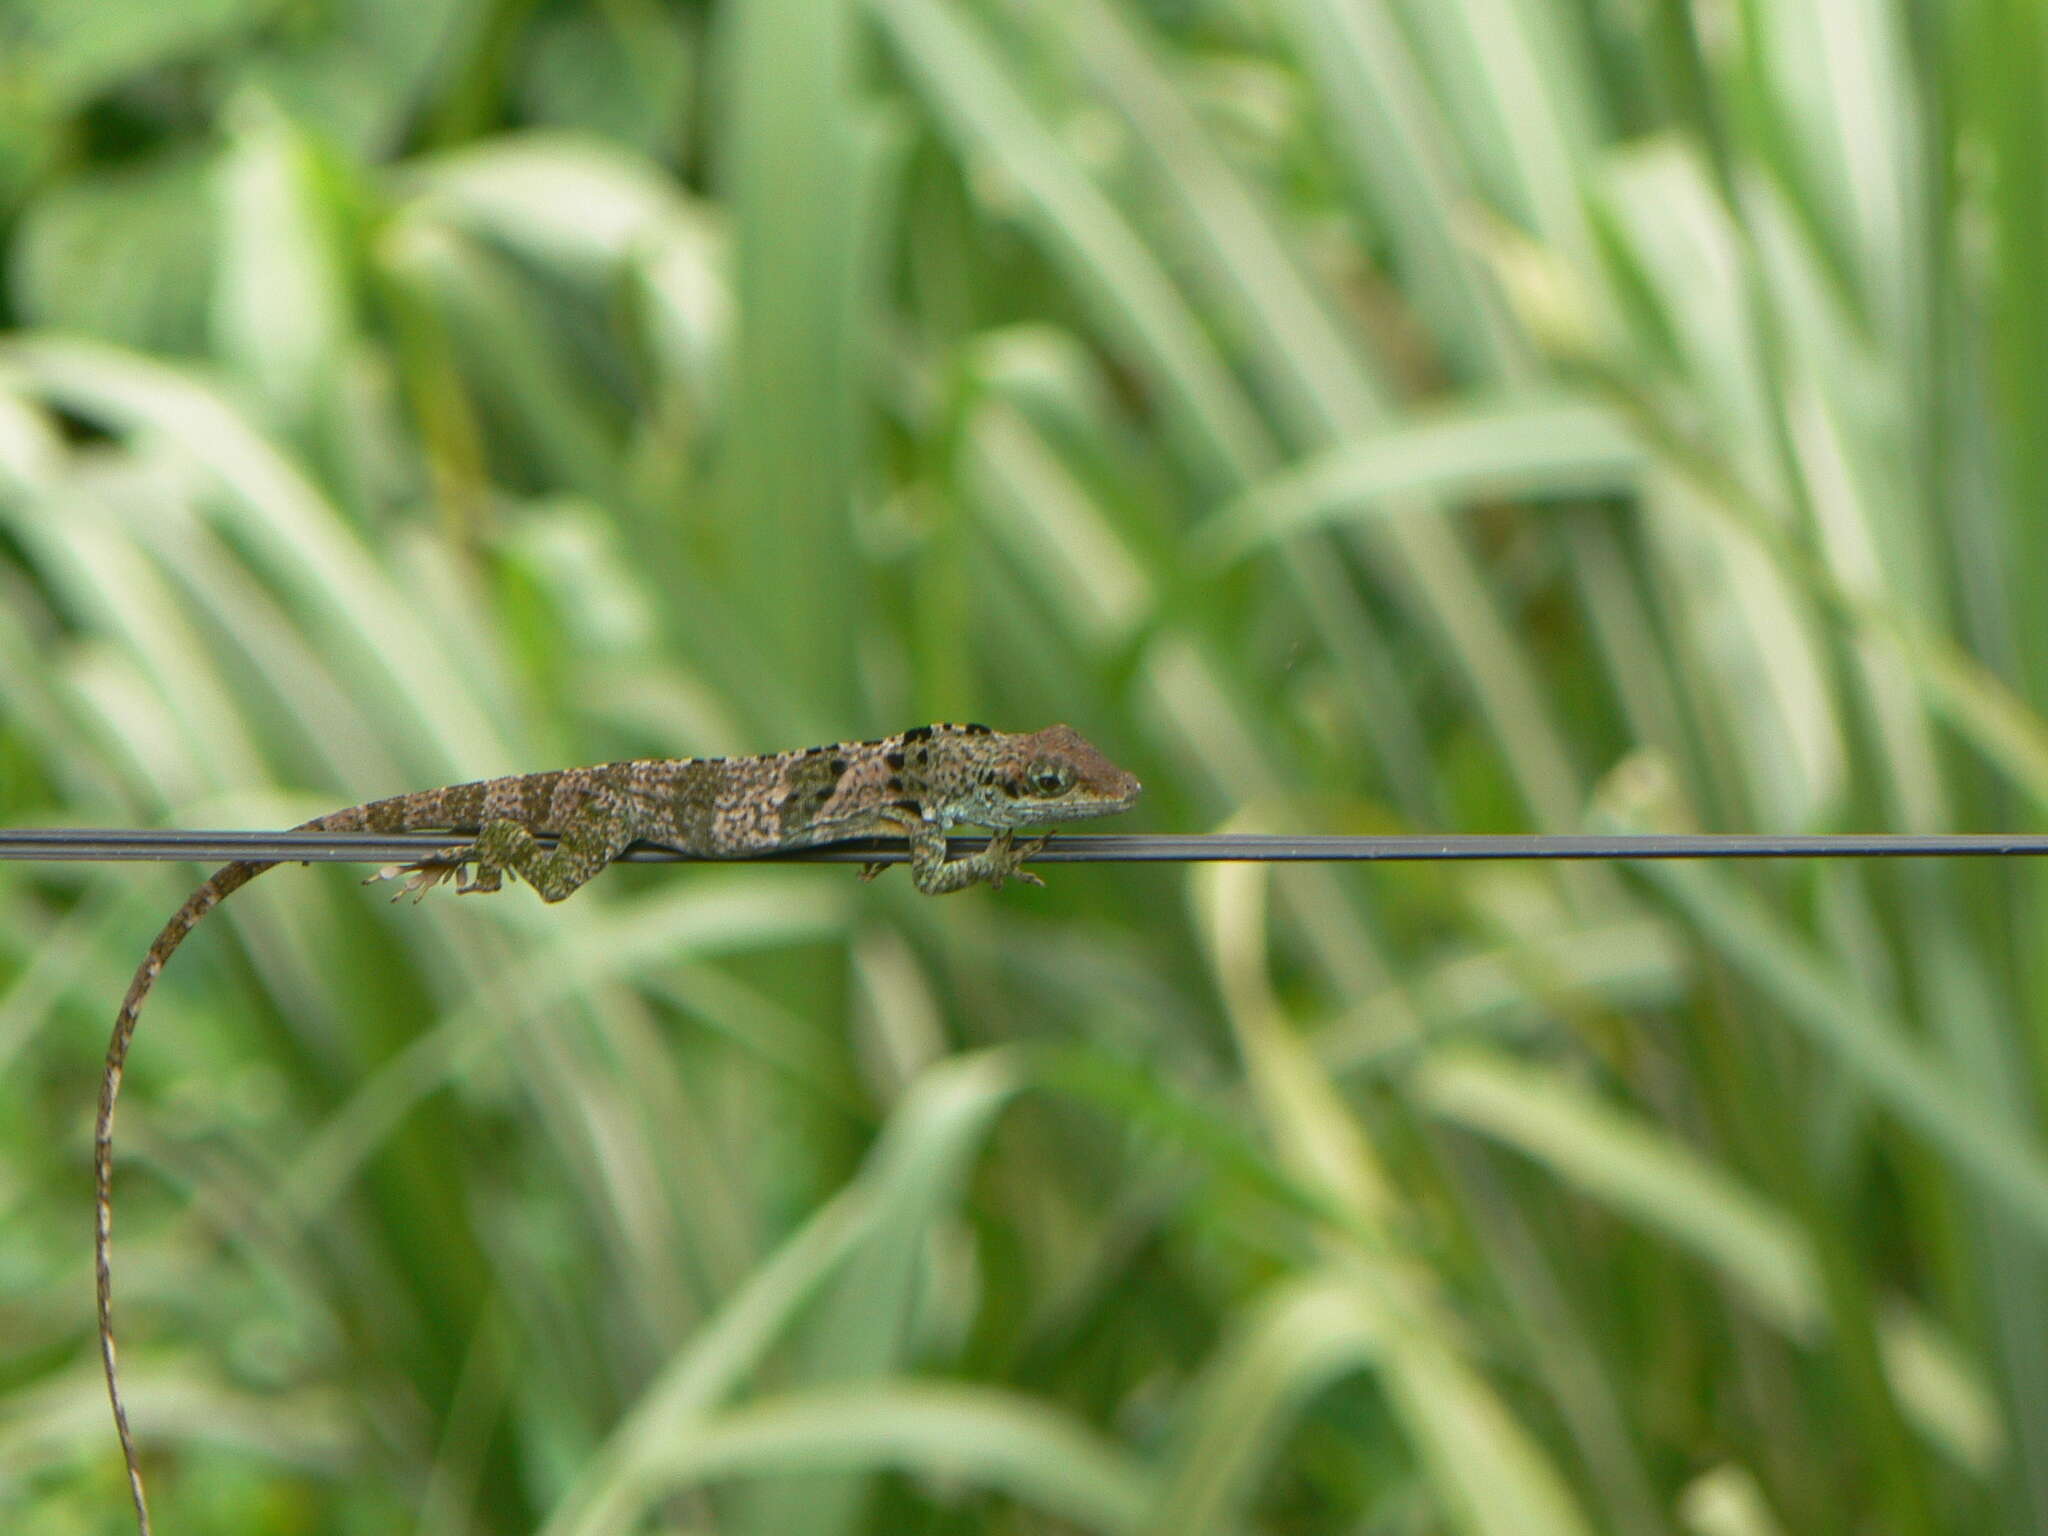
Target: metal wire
x=399, y=848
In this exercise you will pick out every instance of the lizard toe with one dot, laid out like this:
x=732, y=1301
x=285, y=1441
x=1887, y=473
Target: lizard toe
x=424, y=876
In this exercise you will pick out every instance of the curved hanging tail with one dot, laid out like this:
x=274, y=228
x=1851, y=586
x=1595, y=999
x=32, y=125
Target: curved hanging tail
x=399, y=813
x=229, y=878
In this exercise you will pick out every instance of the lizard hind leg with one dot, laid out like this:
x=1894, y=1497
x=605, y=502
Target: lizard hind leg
x=592, y=838
x=499, y=846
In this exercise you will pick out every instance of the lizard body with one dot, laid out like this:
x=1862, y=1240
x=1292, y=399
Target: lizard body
x=916, y=785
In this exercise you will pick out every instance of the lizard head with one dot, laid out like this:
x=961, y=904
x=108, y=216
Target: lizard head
x=1047, y=776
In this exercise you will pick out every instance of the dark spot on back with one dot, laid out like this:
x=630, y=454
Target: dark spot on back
x=911, y=806
x=977, y=730
x=895, y=785
x=918, y=733
x=893, y=759
x=811, y=780
x=922, y=756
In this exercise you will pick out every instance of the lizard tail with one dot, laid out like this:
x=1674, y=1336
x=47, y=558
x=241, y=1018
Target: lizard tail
x=228, y=879
x=400, y=813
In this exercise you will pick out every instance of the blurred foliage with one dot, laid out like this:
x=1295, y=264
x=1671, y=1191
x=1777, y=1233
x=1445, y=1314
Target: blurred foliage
x=1357, y=415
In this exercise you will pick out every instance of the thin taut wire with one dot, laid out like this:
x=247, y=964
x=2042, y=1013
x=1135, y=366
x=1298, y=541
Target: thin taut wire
x=386, y=848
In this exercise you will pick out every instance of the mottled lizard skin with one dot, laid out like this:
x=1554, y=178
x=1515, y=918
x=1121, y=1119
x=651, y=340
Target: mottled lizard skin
x=915, y=785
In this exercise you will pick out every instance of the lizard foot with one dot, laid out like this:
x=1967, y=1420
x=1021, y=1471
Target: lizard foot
x=447, y=864
x=870, y=872
x=1008, y=862
x=424, y=877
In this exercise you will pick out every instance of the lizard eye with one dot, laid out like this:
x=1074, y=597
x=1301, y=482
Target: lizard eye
x=1048, y=779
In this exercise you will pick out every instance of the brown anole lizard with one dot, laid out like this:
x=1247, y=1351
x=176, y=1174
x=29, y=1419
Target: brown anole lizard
x=915, y=785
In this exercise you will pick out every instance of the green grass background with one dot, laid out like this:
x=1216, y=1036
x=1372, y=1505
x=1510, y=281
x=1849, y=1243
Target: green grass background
x=1356, y=415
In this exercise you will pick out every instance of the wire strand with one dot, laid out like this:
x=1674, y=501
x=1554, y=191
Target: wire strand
x=87, y=843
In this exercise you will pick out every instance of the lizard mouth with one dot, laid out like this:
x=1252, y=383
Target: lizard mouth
x=1104, y=802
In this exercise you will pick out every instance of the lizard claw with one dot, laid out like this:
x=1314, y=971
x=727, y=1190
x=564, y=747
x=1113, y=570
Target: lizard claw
x=426, y=874
x=870, y=872
x=1010, y=857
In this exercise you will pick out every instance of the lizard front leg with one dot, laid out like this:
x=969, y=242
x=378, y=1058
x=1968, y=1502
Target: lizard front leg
x=936, y=875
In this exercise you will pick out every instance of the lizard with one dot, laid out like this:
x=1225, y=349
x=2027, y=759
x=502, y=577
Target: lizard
x=917, y=785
